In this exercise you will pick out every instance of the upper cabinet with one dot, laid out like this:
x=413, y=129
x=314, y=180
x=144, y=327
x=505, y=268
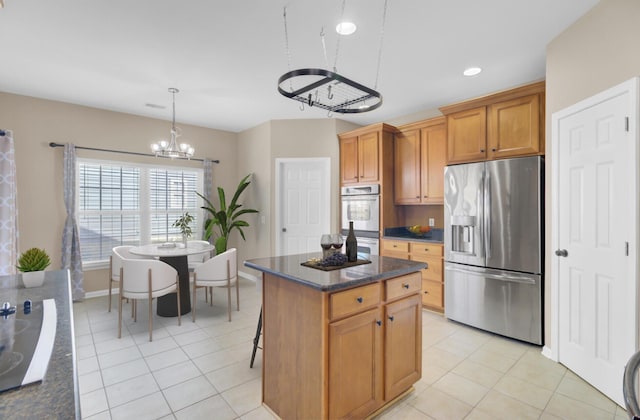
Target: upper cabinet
x=419, y=160
x=501, y=125
x=361, y=154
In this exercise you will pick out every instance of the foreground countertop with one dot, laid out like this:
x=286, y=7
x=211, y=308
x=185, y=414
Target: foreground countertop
x=56, y=397
x=289, y=267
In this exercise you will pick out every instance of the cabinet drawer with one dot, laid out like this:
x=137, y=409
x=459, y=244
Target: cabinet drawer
x=426, y=248
x=395, y=246
x=403, y=286
x=434, y=267
x=354, y=300
x=432, y=294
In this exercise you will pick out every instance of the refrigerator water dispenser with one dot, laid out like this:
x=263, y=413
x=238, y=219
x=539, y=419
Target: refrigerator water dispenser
x=463, y=234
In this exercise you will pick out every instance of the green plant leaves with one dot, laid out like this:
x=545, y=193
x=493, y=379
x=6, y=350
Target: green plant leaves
x=33, y=259
x=225, y=219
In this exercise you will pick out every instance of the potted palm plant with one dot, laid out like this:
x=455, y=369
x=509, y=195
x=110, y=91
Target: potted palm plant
x=223, y=220
x=32, y=263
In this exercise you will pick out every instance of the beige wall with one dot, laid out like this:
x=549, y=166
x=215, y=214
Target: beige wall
x=597, y=52
x=258, y=149
x=36, y=122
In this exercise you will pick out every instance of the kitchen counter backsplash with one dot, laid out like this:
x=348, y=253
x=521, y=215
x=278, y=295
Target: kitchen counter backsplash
x=402, y=232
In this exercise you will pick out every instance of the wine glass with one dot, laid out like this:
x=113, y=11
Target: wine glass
x=325, y=243
x=336, y=242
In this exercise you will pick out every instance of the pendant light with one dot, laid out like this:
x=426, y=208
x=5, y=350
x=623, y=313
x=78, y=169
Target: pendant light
x=171, y=148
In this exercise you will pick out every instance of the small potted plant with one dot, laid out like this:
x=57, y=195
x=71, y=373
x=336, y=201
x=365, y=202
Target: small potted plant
x=32, y=263
x=183, y=223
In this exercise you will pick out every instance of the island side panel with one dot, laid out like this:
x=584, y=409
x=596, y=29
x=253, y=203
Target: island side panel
x=295, y=361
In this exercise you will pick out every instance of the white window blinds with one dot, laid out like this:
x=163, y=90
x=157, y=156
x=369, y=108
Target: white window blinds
x=130, y=204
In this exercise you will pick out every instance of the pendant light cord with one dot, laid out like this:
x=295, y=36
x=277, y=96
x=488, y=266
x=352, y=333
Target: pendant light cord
x=335, y=62
x=384, y=19
x=286, y=44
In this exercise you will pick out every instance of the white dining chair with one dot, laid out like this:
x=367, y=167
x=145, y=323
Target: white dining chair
x=194, y=260
x=115, y=262
x=218, y=271
x=146, y=279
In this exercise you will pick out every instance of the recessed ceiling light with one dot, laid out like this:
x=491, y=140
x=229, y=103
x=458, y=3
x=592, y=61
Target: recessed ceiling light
x=346, y=28
x=472, y=71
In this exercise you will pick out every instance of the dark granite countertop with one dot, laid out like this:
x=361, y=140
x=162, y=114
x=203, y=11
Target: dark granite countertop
x=288, y=267
x=57, y=396
x=434, y=235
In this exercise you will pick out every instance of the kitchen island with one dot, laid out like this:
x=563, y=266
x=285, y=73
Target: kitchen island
x=340, y=343
x=56, y=397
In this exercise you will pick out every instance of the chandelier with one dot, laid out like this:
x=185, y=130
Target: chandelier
x=171, y=148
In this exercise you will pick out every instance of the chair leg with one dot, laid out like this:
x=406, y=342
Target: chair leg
x=229, y=301
x=193, y=301
x=237, y=295
x=110, y=287
x=150, y=310
x=178, y=291
x=120, y=315
x=210, y=296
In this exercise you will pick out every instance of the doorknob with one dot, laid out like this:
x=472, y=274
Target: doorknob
x=284, y=229
x=562, y=252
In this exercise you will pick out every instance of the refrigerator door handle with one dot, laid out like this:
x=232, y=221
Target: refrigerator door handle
x=487, y=215
x=494, y=276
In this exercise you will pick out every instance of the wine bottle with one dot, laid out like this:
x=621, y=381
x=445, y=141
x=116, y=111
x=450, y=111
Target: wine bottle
x=352, y=245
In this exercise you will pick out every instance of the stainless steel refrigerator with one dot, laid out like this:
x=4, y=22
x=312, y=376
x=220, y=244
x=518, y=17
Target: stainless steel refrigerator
x=493, y=218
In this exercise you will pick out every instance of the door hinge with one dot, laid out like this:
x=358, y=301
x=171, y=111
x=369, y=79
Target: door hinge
x=626, y=123
x=626, y=248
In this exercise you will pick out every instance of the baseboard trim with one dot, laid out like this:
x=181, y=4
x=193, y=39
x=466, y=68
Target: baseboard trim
x=549, y=353
x=248, y=276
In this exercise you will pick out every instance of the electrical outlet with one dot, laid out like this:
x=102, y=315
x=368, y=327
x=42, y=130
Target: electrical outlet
x=432, y=222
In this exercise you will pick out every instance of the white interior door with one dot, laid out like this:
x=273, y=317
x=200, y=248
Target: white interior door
x=596, y=237
x=303, y=204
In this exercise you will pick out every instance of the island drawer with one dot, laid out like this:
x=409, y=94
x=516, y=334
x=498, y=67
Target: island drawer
x=354, y=300
x=404, y=286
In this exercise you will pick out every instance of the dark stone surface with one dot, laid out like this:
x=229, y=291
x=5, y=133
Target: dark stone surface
x=434, y=235
x=57, y=396
x=289, y=267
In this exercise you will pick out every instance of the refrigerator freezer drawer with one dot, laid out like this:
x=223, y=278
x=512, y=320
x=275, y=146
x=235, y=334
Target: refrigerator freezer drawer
x=503, y=302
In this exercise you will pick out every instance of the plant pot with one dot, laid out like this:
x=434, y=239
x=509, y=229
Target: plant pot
x=33, y=278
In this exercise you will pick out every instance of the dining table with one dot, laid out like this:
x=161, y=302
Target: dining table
x=176, y=255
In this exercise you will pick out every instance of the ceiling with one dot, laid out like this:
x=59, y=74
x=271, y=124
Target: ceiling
x=226, y=56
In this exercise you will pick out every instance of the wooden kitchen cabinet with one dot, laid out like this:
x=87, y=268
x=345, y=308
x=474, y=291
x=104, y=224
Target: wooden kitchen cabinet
x=355, y=365
x=501, y=125
x=376, y=354
x=363, y=153
x=419, y=161
x=432, y=276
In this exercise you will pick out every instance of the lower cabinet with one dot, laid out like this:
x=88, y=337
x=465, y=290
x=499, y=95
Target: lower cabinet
x=376, y=355
x=432, y=276
x=343, y=354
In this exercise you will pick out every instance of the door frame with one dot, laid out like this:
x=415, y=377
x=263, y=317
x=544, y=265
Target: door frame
x=630, y=86
x=326, y=170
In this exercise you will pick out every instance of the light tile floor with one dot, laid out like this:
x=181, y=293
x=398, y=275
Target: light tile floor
x=201, y=370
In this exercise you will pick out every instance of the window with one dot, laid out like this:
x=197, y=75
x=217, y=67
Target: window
x=132, y=204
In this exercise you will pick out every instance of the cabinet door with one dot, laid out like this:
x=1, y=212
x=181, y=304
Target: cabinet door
x=514, y=127
x=369, y=157
x=407, y=167
x=403, y=345
x=355, y=365
x=432, y=295
x=434, y=158
x=349, y=160
x=467, y=135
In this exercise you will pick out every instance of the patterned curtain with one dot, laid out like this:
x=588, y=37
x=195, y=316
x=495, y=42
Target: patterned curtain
x=8, y=205
x=207, y=185
x=71, y=258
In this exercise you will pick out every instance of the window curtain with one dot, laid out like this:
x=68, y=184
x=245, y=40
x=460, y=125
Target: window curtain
x=71, y=258
x=8, y=205
x=207, y=186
